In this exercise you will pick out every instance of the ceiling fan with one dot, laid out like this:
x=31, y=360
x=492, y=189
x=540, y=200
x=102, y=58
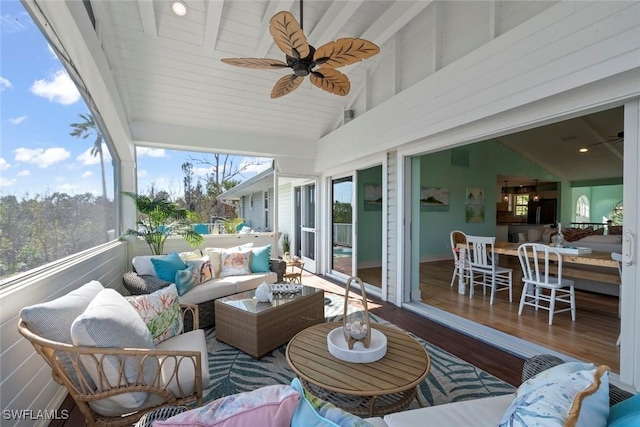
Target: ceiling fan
x=618, y=139
x=304, y=58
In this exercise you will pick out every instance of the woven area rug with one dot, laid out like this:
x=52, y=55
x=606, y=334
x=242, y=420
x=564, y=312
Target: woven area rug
x=450, y=379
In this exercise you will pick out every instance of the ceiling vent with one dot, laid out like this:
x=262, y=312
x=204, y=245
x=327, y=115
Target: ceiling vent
x=348, y=116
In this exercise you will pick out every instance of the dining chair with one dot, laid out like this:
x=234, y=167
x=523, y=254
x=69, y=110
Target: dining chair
x=537, y=261
x=295, y=274
x=484, y=268
x=461, y=269
x=617, y=256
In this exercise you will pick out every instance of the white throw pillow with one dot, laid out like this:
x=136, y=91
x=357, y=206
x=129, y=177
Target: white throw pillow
x=110, y=321
x=236, y=262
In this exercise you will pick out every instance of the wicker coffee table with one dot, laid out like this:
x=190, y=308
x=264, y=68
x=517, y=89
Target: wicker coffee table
x=259, y=327
x=364, y=389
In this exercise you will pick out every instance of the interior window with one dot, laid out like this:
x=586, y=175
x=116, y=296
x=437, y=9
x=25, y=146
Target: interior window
x=582, y=209
x=522, y=204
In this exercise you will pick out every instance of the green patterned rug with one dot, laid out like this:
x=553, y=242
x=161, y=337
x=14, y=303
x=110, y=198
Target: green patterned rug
x=451, y=379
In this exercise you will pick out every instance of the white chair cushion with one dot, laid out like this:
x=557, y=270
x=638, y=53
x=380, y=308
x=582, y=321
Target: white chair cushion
x=192, y=341
x=476, y=412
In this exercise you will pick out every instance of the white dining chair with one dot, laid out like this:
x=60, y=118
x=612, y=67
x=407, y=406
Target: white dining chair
x=537, y=274
x=484, y=267
x=461, y=269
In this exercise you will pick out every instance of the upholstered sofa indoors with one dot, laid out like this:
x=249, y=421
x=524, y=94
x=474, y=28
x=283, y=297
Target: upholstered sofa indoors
x=211, y=276
x=554, y=392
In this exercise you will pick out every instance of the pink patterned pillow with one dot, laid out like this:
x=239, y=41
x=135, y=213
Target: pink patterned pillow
x=270, y=406
x=236, y=262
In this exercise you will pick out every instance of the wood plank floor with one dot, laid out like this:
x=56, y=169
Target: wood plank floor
x=502, y=364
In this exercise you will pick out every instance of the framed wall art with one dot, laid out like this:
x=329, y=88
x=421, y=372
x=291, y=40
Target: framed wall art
x=474, y=204
x=434, y=199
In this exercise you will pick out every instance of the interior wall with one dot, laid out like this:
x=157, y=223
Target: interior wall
x=602, y=199
x=369, y=232
x=486, y=160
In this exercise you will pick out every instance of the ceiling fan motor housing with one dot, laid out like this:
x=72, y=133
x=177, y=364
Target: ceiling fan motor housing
x=302, y=66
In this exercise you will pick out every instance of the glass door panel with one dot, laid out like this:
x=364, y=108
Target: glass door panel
x=342, y=225
x=308, y=228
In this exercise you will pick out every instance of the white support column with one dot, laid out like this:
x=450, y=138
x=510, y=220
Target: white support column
x=276, y=192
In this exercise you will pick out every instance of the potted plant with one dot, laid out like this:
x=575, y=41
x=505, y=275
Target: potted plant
x=158, y=218
x=285, y=246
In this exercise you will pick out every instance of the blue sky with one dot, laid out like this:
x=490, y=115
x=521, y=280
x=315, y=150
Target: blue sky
x=38, y=101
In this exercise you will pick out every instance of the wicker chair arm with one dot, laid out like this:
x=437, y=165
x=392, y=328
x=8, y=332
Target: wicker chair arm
x=279, y=267
x=542, y=362
x=190, y=310
x=138, y=370
x=142, y=284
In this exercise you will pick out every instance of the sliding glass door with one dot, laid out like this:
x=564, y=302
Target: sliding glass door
x=305, y=222
x=342, y=220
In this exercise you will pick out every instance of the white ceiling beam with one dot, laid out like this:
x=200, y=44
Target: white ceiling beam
x=332, y=21
x=212, y=24
x=396, y=17
x=148, y=17
x=265, y=42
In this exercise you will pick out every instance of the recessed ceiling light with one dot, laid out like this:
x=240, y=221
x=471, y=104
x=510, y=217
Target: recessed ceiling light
x=179, y=8
x=583, y=150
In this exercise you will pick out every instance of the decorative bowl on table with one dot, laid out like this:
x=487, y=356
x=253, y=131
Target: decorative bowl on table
x=285, y=288
x=339, y=347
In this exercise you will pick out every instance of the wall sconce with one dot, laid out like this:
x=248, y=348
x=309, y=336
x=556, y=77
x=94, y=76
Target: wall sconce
x=535, y=192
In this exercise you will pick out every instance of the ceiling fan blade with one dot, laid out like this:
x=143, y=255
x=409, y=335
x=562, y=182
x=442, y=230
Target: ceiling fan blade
x=344, y=52
x=331, y=80
x=260, y=63
x=286, y=85
x=288, y=35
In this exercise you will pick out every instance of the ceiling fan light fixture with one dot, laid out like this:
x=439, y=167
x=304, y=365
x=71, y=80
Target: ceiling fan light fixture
x=583, y=150
x=179, y=8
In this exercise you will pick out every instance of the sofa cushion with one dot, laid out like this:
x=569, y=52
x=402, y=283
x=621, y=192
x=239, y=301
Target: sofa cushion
x=167, y=266
x=160, y=311
x=110, y=321
x=186, y=279
x=269, y=406
x=143, y=266
x=477, y=412
x=190, y=255
x=203, y=268
x=194, y=341
x=215, y=257
x=261, y=259
x=236, y=262
x=225, y=286
x=596, y=238
x=625, y=413
x=575, y=394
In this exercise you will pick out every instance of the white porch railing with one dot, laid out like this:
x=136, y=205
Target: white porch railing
x=342, y=234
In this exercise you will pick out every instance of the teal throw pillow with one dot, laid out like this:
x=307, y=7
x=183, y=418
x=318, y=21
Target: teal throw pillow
x=261, y=259
x=167, y=266
x=186, y=279
x=625, y=413
x=314, y=412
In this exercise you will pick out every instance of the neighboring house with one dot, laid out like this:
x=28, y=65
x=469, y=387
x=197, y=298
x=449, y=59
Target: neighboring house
x=452, y=79
x=254, y=200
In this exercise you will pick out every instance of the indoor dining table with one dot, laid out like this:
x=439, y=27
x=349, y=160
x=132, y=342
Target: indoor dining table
x=596, y=265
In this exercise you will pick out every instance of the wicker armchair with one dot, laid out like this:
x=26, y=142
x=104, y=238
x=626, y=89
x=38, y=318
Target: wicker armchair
x=70, y=365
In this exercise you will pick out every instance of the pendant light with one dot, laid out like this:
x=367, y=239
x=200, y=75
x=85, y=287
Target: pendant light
x=505, y=194
x=535, y=192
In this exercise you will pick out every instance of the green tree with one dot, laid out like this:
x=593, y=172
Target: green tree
x=88, y=128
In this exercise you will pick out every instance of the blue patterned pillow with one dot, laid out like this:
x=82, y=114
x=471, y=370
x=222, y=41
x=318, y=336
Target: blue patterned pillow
x=314, y=412
x=186, y=279
x=561, y=397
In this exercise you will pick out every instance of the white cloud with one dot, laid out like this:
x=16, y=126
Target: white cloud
x=87, y=174
x=69, y=189
x=254, y=168
x=18, y=120
x=87, y=159
x=4, y=165
x=24, y=173
x=142, y=173
x=202, y=171
x=151, y=152
x=4, y=182
x=41, y=157
x=15, y=23
x=4, y=83
x=57, y=88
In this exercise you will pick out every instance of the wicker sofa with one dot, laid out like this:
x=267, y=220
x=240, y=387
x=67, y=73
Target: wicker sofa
x=143, y=280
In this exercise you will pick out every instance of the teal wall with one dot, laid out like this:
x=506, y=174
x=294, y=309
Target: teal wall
x=602, y=199
x=369, y=221
x=486, y=160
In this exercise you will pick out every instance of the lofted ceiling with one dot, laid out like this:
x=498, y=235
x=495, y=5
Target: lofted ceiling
x=169, y=78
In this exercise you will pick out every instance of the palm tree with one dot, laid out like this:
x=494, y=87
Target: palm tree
x=158, y=218
x=84, y=130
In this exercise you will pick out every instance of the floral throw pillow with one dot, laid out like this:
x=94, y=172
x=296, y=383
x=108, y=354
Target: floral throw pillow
x=160, y=311
x=236, y=262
